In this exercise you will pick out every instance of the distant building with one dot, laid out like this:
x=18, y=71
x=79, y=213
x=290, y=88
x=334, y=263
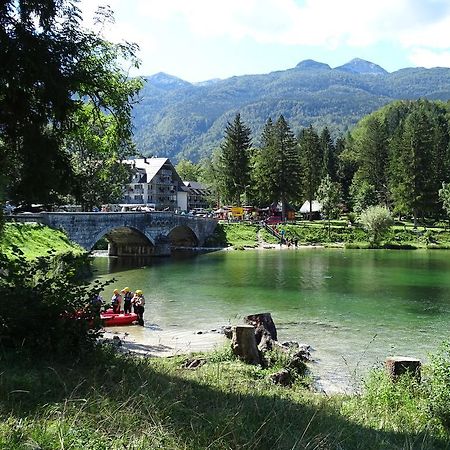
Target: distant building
x=156, y=183
x=316, y=209
x=198, y=195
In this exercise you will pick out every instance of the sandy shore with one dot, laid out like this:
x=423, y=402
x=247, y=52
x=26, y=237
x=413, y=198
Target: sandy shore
x=150, y=341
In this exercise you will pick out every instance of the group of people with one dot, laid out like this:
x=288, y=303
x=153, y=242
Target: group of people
x=125, y=300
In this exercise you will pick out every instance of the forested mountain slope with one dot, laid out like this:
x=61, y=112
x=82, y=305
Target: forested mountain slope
x=178, y=119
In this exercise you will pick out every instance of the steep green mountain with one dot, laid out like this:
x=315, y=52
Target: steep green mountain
x=180, y=119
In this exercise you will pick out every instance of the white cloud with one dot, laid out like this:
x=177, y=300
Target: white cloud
x=316, y=22
x=428, y=58
x=417, y=28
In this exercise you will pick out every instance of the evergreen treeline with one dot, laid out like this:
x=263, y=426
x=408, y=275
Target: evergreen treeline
x=397, y=157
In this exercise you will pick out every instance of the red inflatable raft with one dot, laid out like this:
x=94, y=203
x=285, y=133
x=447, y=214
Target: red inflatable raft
x=110, y=319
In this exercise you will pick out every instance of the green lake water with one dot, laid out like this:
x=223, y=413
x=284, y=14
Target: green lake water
x=354, y=307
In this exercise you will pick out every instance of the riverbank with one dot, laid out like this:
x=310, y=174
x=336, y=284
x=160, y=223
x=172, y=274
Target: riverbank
x=339, y=234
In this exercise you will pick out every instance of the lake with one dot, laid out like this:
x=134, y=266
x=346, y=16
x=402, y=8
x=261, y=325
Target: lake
x=354, y=307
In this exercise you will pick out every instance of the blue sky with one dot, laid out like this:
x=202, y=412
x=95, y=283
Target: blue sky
x=202, y=39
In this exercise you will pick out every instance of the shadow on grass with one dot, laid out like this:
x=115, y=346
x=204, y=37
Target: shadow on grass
x=140, y=403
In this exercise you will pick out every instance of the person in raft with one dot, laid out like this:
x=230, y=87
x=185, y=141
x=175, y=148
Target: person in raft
x=116, y=302
x=139, y=306
x=127, y=297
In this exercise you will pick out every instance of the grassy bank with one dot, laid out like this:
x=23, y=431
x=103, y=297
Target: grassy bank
x=109, y=401
x=401, y=236
x=36, y=240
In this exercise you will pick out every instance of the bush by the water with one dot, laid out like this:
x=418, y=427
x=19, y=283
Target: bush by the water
x=407, y=404
x=43, y=304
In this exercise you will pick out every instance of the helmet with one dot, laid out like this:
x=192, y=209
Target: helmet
x=126, y=289
x=138, y=292
x=116, y=291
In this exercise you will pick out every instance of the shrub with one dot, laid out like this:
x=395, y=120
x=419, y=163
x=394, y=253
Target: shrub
x=43, y=304
x=377, y=220
x=439, y=385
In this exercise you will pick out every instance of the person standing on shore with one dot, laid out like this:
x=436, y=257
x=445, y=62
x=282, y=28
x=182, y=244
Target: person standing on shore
x=116, y=301
x=139, y=306
x=127, y=297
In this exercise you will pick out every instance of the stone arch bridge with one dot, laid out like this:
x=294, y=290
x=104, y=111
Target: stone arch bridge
x=129, y=233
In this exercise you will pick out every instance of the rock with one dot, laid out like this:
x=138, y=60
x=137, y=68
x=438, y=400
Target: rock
x=303, y=354
x=290, y=344
x=298, y=365
x=282, y=377
x=227, y=331
x=116, y=341
x=193, y=364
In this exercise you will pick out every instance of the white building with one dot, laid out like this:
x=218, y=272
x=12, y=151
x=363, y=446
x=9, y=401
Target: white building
x=156, y=183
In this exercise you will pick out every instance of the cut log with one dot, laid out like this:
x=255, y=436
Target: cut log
x=244, y=344
x=399, y=365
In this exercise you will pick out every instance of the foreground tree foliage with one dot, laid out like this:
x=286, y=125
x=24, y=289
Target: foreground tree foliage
x=44, y=304
x=52, y=67
x=96, y=147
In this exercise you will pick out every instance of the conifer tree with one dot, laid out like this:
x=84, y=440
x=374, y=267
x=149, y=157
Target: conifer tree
x=235, y=160
x=329, y=155
x=278, y=166
x=311, y=158
x=372, y=150
x=410, y=165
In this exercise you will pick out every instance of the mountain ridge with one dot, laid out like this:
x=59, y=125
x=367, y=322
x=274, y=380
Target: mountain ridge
x=181, y=119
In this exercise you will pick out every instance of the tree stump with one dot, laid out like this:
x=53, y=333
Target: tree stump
x=244, y=344
x=265, y=330
x=398, y=365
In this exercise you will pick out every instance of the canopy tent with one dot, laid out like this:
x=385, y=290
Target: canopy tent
x=316, y=207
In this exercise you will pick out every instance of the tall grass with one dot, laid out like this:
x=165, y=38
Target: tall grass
x=110, y=401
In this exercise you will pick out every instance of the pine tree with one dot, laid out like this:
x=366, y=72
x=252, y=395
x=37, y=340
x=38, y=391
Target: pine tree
x=410, y=165
x=277, y=164
x=329, y=163
x=371, y=147
x=235, y=160
x=311, y=158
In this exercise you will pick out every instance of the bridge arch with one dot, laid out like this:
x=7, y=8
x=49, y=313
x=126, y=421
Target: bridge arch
x=183, y=236
x=126, y=241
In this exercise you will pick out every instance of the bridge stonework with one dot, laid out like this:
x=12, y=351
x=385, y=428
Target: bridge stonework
x=130, y=233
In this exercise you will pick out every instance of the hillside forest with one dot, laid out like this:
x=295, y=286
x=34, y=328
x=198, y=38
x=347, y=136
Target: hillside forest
x=397, y=157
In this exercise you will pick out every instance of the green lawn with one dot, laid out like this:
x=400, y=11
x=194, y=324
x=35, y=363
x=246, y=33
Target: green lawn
x=35, y=240
x=240, y=235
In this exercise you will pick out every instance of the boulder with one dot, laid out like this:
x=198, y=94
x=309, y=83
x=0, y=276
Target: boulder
x=282, y=377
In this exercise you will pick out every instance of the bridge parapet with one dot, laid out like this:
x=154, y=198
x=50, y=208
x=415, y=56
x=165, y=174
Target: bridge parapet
x=149, y=230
